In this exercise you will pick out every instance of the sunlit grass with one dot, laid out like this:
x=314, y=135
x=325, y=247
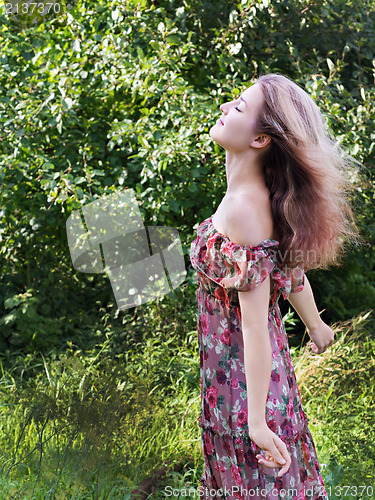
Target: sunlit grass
x=338, y=394
x=81, y=431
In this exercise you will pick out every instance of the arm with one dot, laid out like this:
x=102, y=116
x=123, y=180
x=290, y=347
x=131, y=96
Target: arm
x=258, y=365
x=320, y=333
x=303, y=302
x=257, y=350
x=246, y=226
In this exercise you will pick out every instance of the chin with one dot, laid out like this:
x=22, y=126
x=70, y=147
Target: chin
x=213, y=134
x=212, y=129
x=218, y=142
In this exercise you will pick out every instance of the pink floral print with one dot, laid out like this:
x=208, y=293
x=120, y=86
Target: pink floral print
x=231, y=470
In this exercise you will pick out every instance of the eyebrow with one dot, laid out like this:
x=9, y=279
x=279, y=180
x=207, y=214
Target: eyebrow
x=242, y=99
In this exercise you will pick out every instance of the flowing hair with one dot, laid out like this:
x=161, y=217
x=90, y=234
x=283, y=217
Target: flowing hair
x=304, y=170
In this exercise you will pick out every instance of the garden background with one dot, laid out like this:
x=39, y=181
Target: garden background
x=111, y=95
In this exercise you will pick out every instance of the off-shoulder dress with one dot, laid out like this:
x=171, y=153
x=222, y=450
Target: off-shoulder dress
x=231, y=470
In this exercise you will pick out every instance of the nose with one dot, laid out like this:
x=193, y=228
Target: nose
x=224, y=108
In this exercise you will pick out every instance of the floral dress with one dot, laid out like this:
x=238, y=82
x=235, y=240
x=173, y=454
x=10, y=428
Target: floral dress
x=231, y=470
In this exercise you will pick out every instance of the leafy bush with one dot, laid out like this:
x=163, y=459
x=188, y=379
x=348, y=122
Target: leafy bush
x=114, y=95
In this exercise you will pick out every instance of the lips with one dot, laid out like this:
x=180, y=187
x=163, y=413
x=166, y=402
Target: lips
x=221, y=121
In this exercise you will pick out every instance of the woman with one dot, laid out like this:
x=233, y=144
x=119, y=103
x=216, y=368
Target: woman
x=284, y=212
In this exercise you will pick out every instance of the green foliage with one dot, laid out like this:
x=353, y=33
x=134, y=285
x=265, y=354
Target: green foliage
x=113, y=95
x=91, y=424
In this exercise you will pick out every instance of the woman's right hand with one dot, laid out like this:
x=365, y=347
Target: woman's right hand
x=277, y=454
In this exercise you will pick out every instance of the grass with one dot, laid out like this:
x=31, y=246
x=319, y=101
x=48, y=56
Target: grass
x=338, y=394
x=96, y=430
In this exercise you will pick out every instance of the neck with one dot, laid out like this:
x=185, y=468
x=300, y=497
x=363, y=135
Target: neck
x=244, y=174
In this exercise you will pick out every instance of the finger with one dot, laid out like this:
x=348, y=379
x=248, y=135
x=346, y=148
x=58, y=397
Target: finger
x=285, y=467
x=319, y=350
x=280, y=452
x=268, y=457
x=314, y=347
x=270, y=463
x=267, y=462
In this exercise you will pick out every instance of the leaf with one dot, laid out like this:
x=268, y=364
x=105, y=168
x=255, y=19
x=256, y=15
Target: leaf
x=173, y=39
x=115, y=13
x=67, y=102
x=76, y=45
x=9, y=303
x=330, y=64
x=174, y=205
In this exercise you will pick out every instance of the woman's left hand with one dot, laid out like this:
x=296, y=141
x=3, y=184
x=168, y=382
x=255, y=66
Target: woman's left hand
x=322, y=337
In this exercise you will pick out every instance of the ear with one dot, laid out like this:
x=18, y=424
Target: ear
x=261, y=141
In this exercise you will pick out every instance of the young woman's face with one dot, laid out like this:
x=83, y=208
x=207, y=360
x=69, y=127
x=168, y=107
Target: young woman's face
x=236, y=130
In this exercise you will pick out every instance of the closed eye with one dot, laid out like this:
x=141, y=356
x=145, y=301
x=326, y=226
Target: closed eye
x=236, y=107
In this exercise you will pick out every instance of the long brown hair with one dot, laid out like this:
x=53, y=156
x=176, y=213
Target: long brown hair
x=304, y=169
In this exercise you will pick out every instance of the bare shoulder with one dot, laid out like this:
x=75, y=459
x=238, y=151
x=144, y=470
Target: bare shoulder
x=247, y=221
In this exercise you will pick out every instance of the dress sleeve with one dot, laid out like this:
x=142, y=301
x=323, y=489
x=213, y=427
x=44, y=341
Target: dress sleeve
x=230, y=265
x=298, y=279
x=290, y=280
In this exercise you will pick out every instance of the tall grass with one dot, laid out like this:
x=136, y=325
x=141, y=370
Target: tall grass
x=81, y=431
x=338, y=392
